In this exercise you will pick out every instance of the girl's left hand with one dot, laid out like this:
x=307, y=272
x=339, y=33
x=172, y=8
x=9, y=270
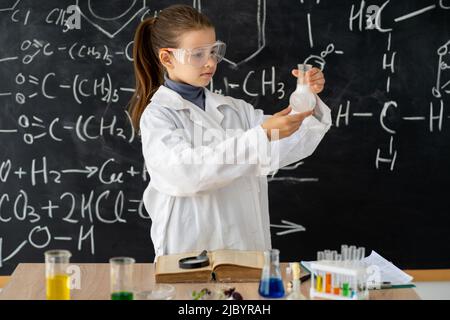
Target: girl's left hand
x=314, y=78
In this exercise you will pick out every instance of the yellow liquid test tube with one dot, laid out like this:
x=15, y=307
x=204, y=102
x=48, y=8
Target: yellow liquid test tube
x=58, y=287
x=319, y=284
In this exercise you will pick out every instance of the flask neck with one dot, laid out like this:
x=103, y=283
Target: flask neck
x=272, y=257
x=301, y=80
x=302, y=70
x=302, y=87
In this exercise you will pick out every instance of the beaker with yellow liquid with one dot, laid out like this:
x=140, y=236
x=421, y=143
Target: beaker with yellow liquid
x=56, y=278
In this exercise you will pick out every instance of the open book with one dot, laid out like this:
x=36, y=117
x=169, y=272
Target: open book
x=224, y=266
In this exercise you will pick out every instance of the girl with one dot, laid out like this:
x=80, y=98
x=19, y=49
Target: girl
x=201, y=194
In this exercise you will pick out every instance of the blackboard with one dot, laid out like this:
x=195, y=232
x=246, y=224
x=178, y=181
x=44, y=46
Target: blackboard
x=71, y=169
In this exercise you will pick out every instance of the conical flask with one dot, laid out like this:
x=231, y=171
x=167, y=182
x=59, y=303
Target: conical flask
x=271, y=283
x=302, y=99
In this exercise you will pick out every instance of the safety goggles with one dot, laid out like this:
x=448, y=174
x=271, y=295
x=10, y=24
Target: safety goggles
x=199, y=56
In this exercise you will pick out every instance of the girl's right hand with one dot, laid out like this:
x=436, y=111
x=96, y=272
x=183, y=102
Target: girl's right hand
x=284, y=123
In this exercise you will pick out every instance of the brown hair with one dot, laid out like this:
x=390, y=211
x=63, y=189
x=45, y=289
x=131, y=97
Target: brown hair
x=152, y=34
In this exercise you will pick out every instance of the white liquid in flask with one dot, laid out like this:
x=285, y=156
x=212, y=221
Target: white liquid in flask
x=302, y=99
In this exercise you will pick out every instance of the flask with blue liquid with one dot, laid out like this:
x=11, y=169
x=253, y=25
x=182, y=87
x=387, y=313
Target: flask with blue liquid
x=271, y=283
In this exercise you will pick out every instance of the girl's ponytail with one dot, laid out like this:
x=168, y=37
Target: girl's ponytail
x=147, y=70
x=151, y=35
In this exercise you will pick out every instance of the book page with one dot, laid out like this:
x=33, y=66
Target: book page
x=250, y=259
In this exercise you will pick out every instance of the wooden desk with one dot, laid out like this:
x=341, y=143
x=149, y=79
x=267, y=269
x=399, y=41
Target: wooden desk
x=28, y=282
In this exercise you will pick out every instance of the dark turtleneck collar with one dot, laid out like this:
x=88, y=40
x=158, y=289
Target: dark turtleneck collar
x=194, y=94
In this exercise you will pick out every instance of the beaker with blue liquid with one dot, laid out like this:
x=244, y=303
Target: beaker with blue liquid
x=271, y=283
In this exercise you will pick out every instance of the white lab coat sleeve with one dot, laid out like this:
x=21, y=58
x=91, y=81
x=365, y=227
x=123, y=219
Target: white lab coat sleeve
x=179, y=169
x=304, y=141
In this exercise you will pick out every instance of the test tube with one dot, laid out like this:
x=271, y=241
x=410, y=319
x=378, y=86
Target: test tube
x=318, y=277
x=121, y=273
x=353, y=253
x=337, y=278
x=329, y=277
x=319, y=283
x=345, y=289
x=334, y=255
x=353, y=257
x=361, y=280
x=328, y=283
x=313, y=279
x=344, y=248
x=354, y=286
x=344, y=252
x=320, y=256
x=346, y=256
x=362, y=252
x=56, y=276
x=336, y=284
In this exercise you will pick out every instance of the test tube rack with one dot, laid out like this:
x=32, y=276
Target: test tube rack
x=344, y=280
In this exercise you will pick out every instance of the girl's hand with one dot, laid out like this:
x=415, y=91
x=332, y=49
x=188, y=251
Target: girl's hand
x=282, y=124
x=314, y=78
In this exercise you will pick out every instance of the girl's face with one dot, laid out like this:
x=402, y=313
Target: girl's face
x=185, y=73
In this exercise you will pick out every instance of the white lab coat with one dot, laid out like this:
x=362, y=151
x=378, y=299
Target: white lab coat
x=211, y=205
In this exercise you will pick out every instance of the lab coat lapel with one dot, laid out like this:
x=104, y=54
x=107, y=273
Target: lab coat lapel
x=211, y=117
x=202, y=118
x=212, y=104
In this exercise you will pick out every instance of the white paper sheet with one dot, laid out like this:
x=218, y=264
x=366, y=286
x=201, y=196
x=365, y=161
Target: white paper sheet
x=388, y=271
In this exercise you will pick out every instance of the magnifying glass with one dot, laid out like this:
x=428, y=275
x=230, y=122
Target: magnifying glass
x=199, y=261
